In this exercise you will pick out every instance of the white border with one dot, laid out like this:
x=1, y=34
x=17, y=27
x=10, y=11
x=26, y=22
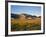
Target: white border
x=23, y=32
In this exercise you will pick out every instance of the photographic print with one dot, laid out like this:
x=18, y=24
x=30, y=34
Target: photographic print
x=25, y=18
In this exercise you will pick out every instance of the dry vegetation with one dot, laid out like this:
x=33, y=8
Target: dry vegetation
x=25, y=24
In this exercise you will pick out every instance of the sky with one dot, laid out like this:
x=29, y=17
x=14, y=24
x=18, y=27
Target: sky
x=31, y=10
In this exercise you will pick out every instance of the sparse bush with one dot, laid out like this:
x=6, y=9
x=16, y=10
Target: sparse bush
x=15, y=27
x=21, y=25
x=35, y=27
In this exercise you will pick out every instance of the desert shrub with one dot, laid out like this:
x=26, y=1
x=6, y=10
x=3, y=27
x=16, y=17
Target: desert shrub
x=15, y=27
x=21, y=25
x=30, y=26
x=26, y=27
x=35, y=27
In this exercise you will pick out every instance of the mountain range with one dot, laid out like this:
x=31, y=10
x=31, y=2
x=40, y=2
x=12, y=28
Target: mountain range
x=26, y=16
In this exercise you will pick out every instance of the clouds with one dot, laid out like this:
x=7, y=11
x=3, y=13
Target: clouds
x=32, y=10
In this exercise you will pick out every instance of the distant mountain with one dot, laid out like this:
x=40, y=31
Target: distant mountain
x=17, y=16
x=14, y=16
